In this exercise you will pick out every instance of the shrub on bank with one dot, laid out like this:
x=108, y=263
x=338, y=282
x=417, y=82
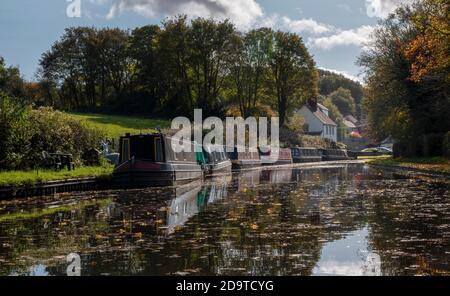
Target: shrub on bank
x=26, y=132
x=56, y=131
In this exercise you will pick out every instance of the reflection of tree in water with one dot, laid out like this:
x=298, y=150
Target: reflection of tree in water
x=411, y=228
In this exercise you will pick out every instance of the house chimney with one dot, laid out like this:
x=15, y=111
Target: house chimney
x=312, y=102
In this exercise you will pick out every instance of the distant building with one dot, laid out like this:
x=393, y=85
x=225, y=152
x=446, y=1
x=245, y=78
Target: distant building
x=349, y=126
x=317, y=121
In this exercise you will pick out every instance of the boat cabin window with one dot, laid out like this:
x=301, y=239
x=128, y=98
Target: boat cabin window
x=142, y=147
x=158, y=150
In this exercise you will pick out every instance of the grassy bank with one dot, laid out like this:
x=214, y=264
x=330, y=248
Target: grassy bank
x=115, y=126
x=435, y=164
x=33, y=177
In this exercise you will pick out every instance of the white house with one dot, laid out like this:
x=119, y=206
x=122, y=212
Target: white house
x=317, y=121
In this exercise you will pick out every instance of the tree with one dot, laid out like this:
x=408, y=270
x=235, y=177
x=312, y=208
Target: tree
x=428, y=51
x=12, y=143
x=336, y=116
x=249, y=67
x=210, y=43
x=175, y=53
x=11, y=83
x=330, y=82
x=405, y=99
x=293, y=73
x=343, y=100
x=143, y=49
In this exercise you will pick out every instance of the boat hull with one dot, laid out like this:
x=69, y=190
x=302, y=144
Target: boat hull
x=242, y=164
x=146, y=174
x=307, y=159
x=220, y=168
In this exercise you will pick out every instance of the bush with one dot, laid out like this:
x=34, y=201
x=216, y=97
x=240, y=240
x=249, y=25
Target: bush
x=54, y=131
x=13, y=132
x=26, y=132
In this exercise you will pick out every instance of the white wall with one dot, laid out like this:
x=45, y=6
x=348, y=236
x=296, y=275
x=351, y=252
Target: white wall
x=330, y=132
x=315, y=125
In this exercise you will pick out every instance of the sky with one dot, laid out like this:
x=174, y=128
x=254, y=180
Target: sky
x=334, y=31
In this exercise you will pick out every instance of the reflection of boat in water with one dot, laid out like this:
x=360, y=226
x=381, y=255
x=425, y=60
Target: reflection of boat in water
x=149, y=160
x=218, y=188
x=191, y=199
x=277, y=176
x=248, y=179
x=188, y=201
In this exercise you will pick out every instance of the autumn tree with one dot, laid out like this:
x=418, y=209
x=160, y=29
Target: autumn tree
x=293, y=73
x=407, y=84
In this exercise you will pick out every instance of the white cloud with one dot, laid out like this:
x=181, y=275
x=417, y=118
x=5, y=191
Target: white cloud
x=306, y=25
x=343, y=73
x=357, y=37
x=243, y=13
x=382, y=8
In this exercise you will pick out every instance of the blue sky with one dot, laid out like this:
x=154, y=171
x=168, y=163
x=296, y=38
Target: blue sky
x=334, y=31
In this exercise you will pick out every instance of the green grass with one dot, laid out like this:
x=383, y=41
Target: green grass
x=33, y=177
x=437, y=164
x=116, y=125
x=374, y=157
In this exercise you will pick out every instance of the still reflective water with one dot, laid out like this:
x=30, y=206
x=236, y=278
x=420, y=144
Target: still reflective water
x=339, y=220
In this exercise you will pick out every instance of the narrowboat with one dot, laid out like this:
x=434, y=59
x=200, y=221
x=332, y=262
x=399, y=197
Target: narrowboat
x=306, y=154
x=334, y=154
x=216, y=160
x=246, y=159
x=268, y=158
x=149, y=160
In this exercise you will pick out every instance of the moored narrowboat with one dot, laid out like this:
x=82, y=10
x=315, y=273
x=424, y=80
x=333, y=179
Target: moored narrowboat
x=245, y=159
x=334, y=154
x=269, y=158
x=149, y=160
x=306, y=154
x=216, y=160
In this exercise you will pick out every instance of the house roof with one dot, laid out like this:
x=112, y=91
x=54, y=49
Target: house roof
x=322, y=106
x=348, y=123
x=320, y=115
x=351, y=119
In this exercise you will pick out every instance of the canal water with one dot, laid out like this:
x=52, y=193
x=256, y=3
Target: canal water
x=337, y=220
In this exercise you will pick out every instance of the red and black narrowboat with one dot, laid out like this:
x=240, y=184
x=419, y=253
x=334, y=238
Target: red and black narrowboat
x=149, y=160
